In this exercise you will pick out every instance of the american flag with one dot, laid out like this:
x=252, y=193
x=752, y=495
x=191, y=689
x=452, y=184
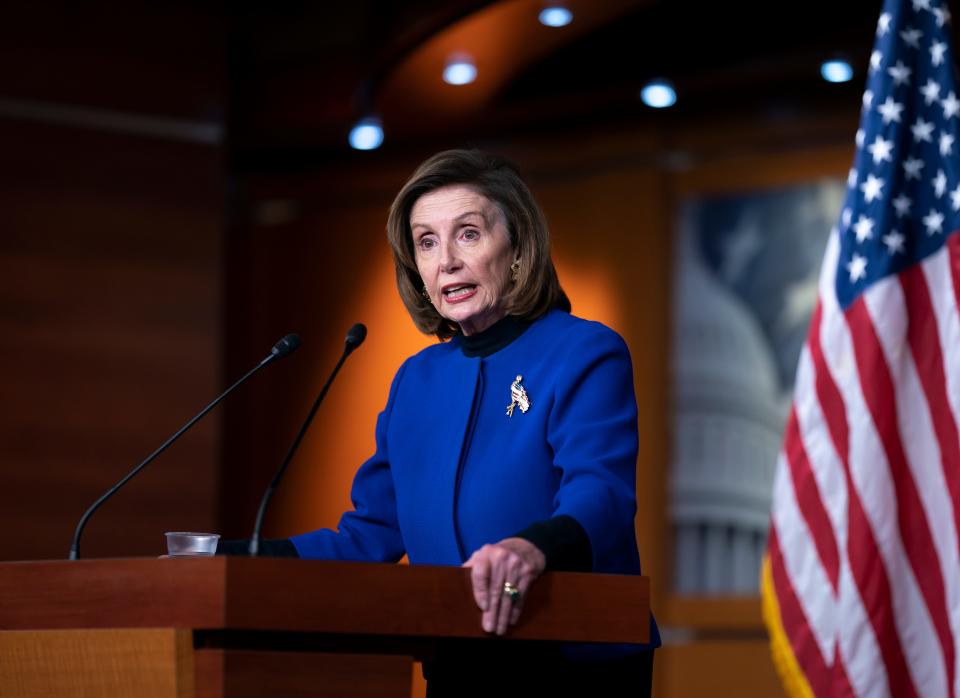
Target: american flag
x=861, y=582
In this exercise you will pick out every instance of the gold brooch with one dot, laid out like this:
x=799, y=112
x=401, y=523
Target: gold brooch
x=518, y=397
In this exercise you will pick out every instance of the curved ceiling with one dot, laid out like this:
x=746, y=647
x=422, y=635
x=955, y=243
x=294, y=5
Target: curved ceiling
x=505, y=39
x=287, y=80
x=300, y=76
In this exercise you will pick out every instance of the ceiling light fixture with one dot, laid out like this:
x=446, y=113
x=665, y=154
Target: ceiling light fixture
x=460, y=70
x=555, y=16
x=658, y=94
x=836, y=71
x=366, y=134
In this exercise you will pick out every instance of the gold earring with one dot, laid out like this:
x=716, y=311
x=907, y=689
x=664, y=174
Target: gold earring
x=425, y=293
x=515, y=270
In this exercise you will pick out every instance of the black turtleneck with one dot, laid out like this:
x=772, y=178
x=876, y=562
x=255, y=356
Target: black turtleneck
x=562, y=539
x=494, y=338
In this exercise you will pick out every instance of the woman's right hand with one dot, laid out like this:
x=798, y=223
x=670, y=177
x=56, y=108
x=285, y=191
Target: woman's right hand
x=495, y=569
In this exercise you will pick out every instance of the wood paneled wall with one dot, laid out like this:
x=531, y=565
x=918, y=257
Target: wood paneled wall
x=126, y=303
x=111, y=209
x=110, y=258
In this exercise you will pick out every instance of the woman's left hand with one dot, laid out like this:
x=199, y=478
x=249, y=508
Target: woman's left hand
x=513, y=561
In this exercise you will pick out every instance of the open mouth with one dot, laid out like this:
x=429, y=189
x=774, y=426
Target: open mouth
x=459, y=292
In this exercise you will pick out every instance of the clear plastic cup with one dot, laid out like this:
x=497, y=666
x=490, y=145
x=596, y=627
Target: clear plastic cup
x=188, y=544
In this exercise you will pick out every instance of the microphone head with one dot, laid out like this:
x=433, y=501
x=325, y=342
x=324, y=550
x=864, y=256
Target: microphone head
x=286, y=346
x=355, y=336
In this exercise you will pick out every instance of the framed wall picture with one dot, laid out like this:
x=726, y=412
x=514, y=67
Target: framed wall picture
x=746, y=266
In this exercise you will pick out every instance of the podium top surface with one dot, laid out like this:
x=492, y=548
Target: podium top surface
x=339, y=598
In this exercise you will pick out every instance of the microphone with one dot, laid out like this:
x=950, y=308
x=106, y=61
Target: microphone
x=355, y=337
x=284, y=347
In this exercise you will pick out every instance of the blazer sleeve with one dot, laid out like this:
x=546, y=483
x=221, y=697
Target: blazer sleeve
x=592, y=429
x=370, y=532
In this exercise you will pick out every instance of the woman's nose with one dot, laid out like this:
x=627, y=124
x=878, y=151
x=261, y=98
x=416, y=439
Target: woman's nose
x=449, y=260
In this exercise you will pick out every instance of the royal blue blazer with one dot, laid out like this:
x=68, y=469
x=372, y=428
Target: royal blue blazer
x=452, y=471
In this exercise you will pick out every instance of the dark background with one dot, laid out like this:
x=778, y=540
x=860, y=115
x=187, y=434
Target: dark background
x=177, y=193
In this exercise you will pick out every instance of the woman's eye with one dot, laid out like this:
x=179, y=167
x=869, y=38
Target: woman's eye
x=471, y=234
x=426, y=243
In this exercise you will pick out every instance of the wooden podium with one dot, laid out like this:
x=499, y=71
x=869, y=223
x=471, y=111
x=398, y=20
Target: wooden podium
x=237, y=627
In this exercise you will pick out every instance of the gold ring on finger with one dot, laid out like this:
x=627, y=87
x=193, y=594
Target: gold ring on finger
x=511, y=591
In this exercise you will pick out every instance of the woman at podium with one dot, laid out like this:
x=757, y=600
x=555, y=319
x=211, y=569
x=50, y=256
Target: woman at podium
x=510, y=446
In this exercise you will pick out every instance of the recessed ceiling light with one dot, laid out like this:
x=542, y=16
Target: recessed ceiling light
x=367, y=134
x=555, y=16
x=836, y=71
x=460, y=70
x=658, y=94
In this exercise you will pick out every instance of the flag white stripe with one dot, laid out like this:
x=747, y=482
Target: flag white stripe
x=859, y=650
x=870, y=472
x=821, y=451
x=936, y=270
x=888, y=312
x=800, y=559
x=858, y=646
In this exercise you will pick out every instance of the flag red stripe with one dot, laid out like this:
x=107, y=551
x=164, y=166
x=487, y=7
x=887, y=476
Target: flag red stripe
x=841, y=682
x=795, y=623
x=953, y=250
x=831, y=402
x=928, y=356
x=866, y=565
x=880, y=396
x=810, y=502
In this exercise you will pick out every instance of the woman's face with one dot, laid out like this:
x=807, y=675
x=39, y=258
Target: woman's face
x=463, y=254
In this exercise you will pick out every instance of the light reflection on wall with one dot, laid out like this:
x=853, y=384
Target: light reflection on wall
x=591, y=293
x=342, y=436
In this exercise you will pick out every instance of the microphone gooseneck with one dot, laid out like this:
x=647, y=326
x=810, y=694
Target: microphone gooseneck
x=284, y=347
x=355, y=337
